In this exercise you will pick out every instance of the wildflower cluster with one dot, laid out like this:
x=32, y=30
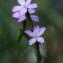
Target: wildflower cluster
x=19, y=12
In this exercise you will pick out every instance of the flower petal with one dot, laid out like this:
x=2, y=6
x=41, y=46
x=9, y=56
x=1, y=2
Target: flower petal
x=28, y=32
x=42, y=30
x=40, y=39
x=34, y=5
x=31, y=11
x=21, y=2
x=36, y=30
x=35, y=18
x=21, y=18
x=23, y=11
x=32, y=41
x=15, y=15
x=28, y=2
x=16, y=8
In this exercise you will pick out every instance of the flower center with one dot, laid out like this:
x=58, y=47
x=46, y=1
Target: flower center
x=25, y=6
x=35, y=35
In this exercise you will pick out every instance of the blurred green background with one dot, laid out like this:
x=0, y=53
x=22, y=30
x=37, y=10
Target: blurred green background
x=51, y=15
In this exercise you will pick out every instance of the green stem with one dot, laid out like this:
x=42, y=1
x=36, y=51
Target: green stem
x=36, y=44
x=37, y=52
x=19, y=39
x=22, y=31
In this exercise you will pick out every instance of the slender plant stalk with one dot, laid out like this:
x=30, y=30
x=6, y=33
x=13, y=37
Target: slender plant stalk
x=24, y=27
x=37, y=52
x=36, y=44
x=22, y=31
x=19, y=39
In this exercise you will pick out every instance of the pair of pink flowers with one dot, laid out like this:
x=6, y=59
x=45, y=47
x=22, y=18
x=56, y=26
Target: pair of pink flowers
x=19, y=12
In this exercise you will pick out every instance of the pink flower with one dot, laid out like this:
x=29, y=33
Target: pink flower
x=36, y=35
x=20, y=10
